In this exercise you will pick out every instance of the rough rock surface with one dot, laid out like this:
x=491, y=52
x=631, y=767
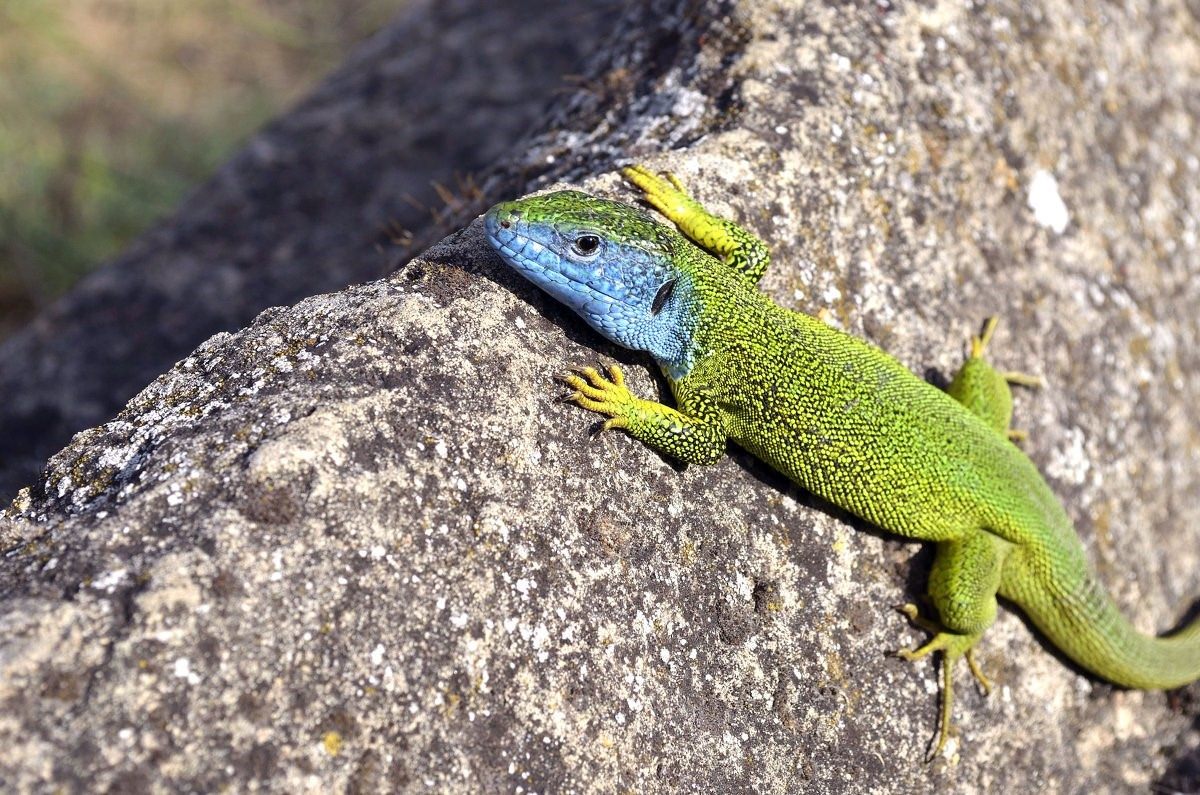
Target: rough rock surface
x=358, y=545
x=328, y=195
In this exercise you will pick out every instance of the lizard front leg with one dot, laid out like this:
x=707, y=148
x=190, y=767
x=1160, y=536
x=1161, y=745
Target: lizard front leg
x=740, y=250
x=693, y=433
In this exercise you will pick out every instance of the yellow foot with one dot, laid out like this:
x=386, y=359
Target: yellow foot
x=595, y=392
x=979, y=345
x=723, y=239
x=664, y=193
x=952, y=646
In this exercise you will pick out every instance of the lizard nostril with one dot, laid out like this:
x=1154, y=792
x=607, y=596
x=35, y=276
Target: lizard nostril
x=505, y=224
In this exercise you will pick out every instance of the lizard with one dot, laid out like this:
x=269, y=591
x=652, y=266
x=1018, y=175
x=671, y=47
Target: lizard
x=836, y=415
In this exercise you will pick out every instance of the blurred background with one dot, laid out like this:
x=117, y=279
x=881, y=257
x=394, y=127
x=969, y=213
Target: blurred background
x=110, y=110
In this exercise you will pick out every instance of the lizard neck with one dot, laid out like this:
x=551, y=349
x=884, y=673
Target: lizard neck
x=673, y=339
x=722, y=311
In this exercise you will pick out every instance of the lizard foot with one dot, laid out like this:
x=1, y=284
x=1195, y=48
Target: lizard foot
x=603, y=395
x=953, y=646
x=664, y=193
x=697, y=437
x=979, y=345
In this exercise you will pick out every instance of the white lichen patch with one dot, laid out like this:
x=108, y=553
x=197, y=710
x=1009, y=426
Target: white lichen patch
x=1049, y=209
x=1070, y=462
x=109, y=581
x=182, y=669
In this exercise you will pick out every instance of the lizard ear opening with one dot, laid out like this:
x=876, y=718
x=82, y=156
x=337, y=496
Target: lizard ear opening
x=662, y=296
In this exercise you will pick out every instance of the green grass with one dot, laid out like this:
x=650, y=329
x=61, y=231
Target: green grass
x=110, y=110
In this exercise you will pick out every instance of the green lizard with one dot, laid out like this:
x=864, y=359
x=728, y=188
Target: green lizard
x=838, y=416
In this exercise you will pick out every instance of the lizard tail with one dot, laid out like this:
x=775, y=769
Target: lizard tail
x=1085, y=624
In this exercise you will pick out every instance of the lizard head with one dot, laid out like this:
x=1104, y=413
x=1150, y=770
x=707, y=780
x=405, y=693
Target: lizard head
x=613, y=264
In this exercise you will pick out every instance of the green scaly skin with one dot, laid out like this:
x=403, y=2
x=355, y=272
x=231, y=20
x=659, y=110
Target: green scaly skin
x=838, y=416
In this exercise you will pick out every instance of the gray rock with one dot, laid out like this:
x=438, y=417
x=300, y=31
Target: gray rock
x=359, y=545
x=338, y=191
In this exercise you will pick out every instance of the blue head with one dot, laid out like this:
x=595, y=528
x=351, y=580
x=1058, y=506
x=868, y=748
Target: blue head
x=610, y=262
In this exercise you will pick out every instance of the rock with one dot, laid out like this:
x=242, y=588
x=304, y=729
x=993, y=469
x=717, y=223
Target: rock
x=335, y=192
x=359, y=545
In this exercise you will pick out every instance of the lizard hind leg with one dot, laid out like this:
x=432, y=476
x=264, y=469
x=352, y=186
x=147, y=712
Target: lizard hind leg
x=962, y=587
x=984, y=390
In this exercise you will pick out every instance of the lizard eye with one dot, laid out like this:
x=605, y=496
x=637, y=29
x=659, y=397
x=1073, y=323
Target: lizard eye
x=662, y=296
x=586, y=245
